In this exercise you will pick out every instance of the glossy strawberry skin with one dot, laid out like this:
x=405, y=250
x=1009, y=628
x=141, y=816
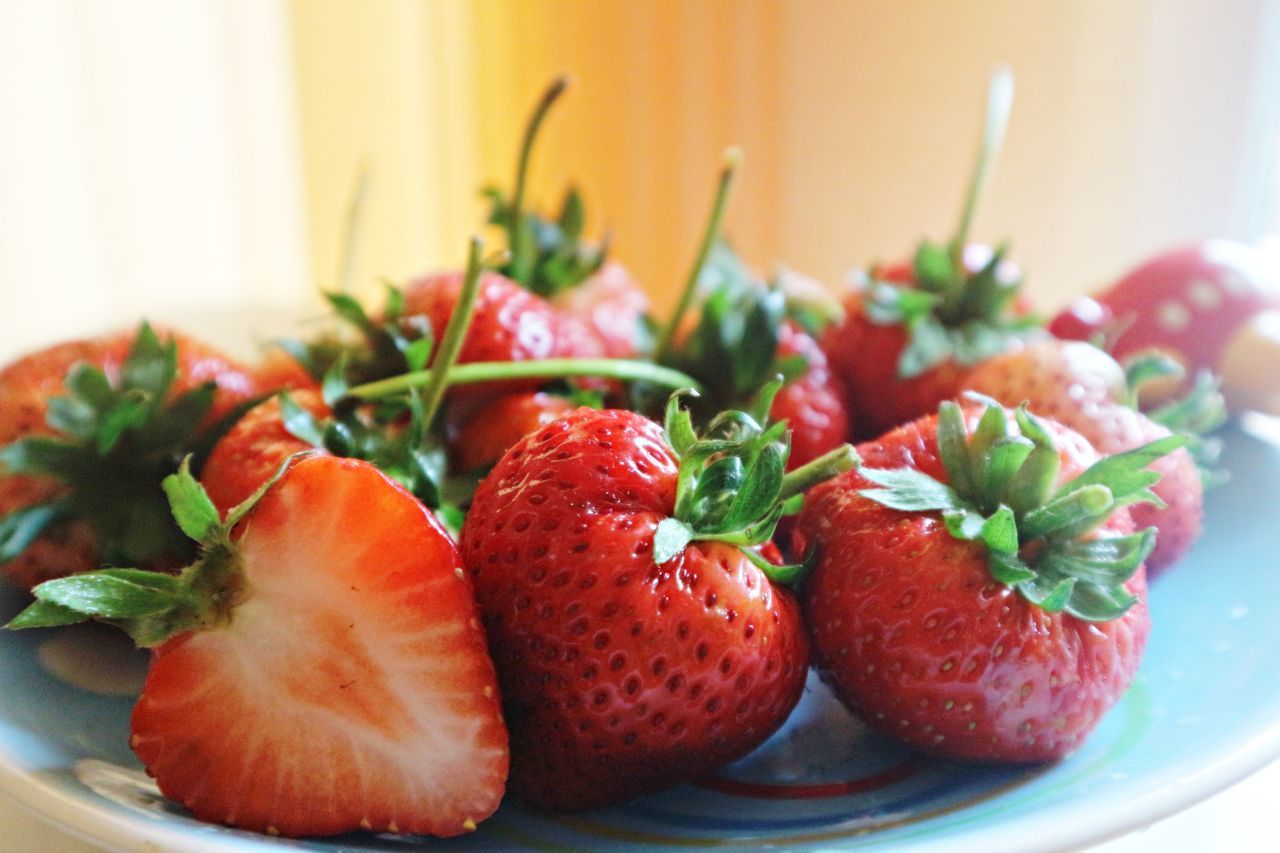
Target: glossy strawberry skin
x=612, y=305
x=813, y=404
x=620, y=676
x=864, y=356
x=480, y=435
x=509, y=324
x=254, y=449
x=914, y=635
x=1081, y=387
x=26, y=385
x=350, y=689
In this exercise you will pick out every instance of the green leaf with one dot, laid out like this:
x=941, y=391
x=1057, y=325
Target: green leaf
x=1008, y=569
x=928, y=346
x=953, y=448
x=1091, y=504
x=933, y=267
x=112, y=593
x=89, y=385
x=1108, y=561
x=45, y=614
x=679, y=425
x=759, y=489
x=132, y=413
x=1093, y=603
x=573, y=216
x=1127, y=474
x=910, y=490
x=670, y=539
x=150, y=366
x=350, y=309
x=190, y=504
x=19, y=528
x=1000, y=531
x=300, y=423
x=964, y=524
x=418, y=353
x=1050, y=594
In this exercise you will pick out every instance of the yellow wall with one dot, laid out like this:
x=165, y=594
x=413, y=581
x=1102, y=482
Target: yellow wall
x=1131, y=127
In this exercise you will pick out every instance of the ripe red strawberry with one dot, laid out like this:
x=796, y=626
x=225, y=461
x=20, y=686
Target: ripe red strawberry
x=254, y=449
x=904, y=347
x=813, y=403
x=636, y=646
x=88, y=429
x=1080, y=386
x=614, y=306
x=509, y=324
x=320, y=669
x=980, y=597
x=480, y=437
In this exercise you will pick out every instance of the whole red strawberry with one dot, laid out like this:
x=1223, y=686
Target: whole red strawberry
x=88, y=430
x=638, y=639
x=1081, y=387
x=319, y=669
x=479, y=436
x=980, y=596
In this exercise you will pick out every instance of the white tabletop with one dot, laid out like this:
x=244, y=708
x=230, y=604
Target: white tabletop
x=1238, y=819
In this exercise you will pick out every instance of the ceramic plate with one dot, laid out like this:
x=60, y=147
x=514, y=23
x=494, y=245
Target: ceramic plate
x=1204, y=712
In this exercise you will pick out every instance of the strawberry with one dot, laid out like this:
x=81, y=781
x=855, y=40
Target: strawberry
x=637, y=636
x=319, y=669
x=254, y=449
x=481, y=436
x=1081, y=387
x=551, y=258
x=980, y=596
x=912, y=332
x=88, y=429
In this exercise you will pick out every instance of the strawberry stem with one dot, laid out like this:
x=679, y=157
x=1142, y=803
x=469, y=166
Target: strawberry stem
x=454, y=334
x=515, y=224
x=732, y=160
x=999, y=104
x=826, y=466
x=351, y=228
x=550, y=368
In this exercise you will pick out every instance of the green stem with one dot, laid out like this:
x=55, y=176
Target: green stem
x=515, y=230
x=351, y=229
x=732, y=159
x=828, y=465
x=437, y=377
x=999, y=104
x=548, y=368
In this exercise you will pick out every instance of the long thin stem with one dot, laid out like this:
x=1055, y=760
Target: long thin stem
x=351, y=229
x=826, y=466
x=548, y=368
x=999, y=105
x=437, y=377
x=515, y=225
x=732, y=160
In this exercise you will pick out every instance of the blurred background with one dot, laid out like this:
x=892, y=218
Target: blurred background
x=189, y=158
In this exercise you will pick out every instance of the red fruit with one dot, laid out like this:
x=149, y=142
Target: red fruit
x=254, y=449
x=348, y=688
x=621, y=676
x=74, y=543
x=1081, y=387
x=613, y=306
x=812, y=404
x=509, y=324
x=915, y=634
x=866, y=352
x=280, y=371
x=480, y=436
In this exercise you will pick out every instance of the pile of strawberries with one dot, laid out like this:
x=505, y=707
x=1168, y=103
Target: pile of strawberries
x=473, y=541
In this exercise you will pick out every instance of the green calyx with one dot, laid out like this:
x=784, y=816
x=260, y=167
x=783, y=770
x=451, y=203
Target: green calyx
x=547, y=255
x=1040, y=538
x=115, y=439
x=733, y=349
x=731, y=486
x=949, y=313
x=1194, y=416
x=373, y=348
x=154, y=606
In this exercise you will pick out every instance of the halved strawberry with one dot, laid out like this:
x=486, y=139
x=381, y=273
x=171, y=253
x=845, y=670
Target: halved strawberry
x=320, y=669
